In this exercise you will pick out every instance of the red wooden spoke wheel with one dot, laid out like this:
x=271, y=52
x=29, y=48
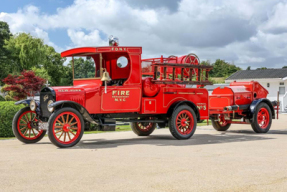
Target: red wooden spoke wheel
x=184, y=122
x=222, y=122
x=193, y=60
x=263, y=118
x=25, y=126
x=143, y=128
x=66, y=127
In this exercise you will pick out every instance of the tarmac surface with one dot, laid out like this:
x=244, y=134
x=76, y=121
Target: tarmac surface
x=236, y=160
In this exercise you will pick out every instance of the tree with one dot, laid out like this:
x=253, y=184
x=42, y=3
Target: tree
x=261, y=68
x=284, y=67
x=248, y=68
x=4, y=53
x=222, y=68
x=83, y=68
x=26, y=84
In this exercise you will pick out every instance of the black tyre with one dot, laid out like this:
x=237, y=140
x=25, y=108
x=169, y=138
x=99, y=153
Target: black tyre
x=143, y=129
x=25, y=126
x=262, y=118
x=182, y=123
x=220, y=124
x=66, y=127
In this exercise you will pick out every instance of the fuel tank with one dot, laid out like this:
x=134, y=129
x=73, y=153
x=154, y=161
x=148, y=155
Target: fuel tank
x=237, y=93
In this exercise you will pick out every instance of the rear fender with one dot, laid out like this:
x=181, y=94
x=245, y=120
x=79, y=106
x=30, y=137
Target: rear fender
x=255, y=103
x=189, y=103
x=77, y=106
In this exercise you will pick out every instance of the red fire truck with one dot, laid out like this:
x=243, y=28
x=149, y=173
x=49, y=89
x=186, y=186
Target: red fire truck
x=117, y=91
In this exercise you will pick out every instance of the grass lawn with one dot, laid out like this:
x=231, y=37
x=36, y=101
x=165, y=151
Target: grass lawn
x=118, y=128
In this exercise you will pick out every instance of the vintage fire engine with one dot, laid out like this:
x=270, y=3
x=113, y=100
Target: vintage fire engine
x=147, y=92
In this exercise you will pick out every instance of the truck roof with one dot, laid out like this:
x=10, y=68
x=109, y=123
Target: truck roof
x=85, y=51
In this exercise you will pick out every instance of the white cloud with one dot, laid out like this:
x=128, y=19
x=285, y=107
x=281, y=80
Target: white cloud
x=246, y=32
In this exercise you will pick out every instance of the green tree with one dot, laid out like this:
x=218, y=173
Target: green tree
x=222, y=68
x=4, y=53
x=83, y=68
x=261, y=68
x=284, y=67
x=248, y=68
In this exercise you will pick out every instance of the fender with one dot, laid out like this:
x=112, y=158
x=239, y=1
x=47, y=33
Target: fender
x=189, y=103
x=78, y=106
x=27, y=102
x=255, y=103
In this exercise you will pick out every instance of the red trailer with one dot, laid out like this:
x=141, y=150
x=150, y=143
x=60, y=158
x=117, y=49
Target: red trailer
x=241, y=103
x=116, y=91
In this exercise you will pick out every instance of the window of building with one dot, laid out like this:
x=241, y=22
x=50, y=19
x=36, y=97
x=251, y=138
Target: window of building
x=281, y=90
x=281, y=83
x=268, y=84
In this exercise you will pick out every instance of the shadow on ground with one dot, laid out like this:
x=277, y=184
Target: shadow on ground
x=165, y=140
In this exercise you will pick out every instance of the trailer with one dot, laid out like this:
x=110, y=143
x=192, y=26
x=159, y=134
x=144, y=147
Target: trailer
x=146, y=93
x=242, y=103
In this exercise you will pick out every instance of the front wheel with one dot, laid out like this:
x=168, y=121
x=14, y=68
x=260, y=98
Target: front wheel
x=143, y=129
x=182, y=123
x=66, y=127
x=262, y=118
x=25, y=126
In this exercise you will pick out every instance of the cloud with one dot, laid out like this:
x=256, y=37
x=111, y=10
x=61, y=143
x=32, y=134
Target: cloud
x=245, y=32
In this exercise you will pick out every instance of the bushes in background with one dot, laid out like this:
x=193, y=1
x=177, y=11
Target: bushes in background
x=2, y=98
x=7, y=111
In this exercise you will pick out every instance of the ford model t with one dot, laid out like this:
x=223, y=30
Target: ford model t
x=118, y=91
x=149, y=92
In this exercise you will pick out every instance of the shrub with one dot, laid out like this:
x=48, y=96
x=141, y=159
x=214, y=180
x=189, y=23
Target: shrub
x=2, y=98
x=7, y=111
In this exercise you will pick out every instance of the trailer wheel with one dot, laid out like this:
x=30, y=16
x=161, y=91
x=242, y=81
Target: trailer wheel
x=143, y=129
x=24, y=126
x=66, y=127
x=221, y=124
x=262, y=118
x=182, y=123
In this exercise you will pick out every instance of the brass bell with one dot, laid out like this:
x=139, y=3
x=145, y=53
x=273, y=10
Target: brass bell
x=106, y=76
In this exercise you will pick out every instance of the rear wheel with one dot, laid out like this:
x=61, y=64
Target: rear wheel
x=262, y=118
x=25, y=126
x=66, y=127
x=182, y=123
x=221, y=124
x=143, y=129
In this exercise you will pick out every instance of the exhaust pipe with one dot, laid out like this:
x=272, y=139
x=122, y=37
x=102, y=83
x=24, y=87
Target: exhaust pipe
x=236, y=107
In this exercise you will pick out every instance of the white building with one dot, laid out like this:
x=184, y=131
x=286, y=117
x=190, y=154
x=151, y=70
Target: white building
x=274, y=80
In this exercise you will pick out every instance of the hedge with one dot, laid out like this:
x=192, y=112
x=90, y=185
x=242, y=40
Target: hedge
x=7, y=111
x=2, y=98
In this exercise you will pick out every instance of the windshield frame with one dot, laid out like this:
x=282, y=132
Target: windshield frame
x=101, y=71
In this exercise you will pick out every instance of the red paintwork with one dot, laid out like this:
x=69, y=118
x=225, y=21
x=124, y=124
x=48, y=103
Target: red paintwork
x=24, y=126
x=68, y=127
x=136, y=94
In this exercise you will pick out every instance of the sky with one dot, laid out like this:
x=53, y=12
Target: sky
x=244, y=32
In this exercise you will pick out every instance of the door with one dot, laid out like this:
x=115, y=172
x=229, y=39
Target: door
x=121, y=99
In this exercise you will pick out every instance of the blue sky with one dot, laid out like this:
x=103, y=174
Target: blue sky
x=244, y=32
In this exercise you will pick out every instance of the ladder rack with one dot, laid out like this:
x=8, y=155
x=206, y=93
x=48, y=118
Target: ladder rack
x=199, y=72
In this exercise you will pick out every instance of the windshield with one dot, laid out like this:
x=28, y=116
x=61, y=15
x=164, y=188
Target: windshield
x=86, y=67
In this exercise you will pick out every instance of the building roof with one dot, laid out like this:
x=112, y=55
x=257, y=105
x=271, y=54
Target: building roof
x=259, y=74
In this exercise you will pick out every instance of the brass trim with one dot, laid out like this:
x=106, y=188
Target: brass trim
x=186, y=93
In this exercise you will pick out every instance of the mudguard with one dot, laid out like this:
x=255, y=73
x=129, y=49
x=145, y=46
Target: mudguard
x=189, y=103
x=79, y=107
x=255, y=103
x=27, y=102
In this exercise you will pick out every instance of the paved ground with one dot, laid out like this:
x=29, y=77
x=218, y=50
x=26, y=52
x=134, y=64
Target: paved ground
x=237, y=160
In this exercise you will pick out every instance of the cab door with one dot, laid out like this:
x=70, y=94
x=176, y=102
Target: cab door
x=121, y=99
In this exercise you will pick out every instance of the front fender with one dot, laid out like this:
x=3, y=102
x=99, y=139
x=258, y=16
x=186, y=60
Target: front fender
x=27, y=102
x=77, y=106
x=255, y=103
